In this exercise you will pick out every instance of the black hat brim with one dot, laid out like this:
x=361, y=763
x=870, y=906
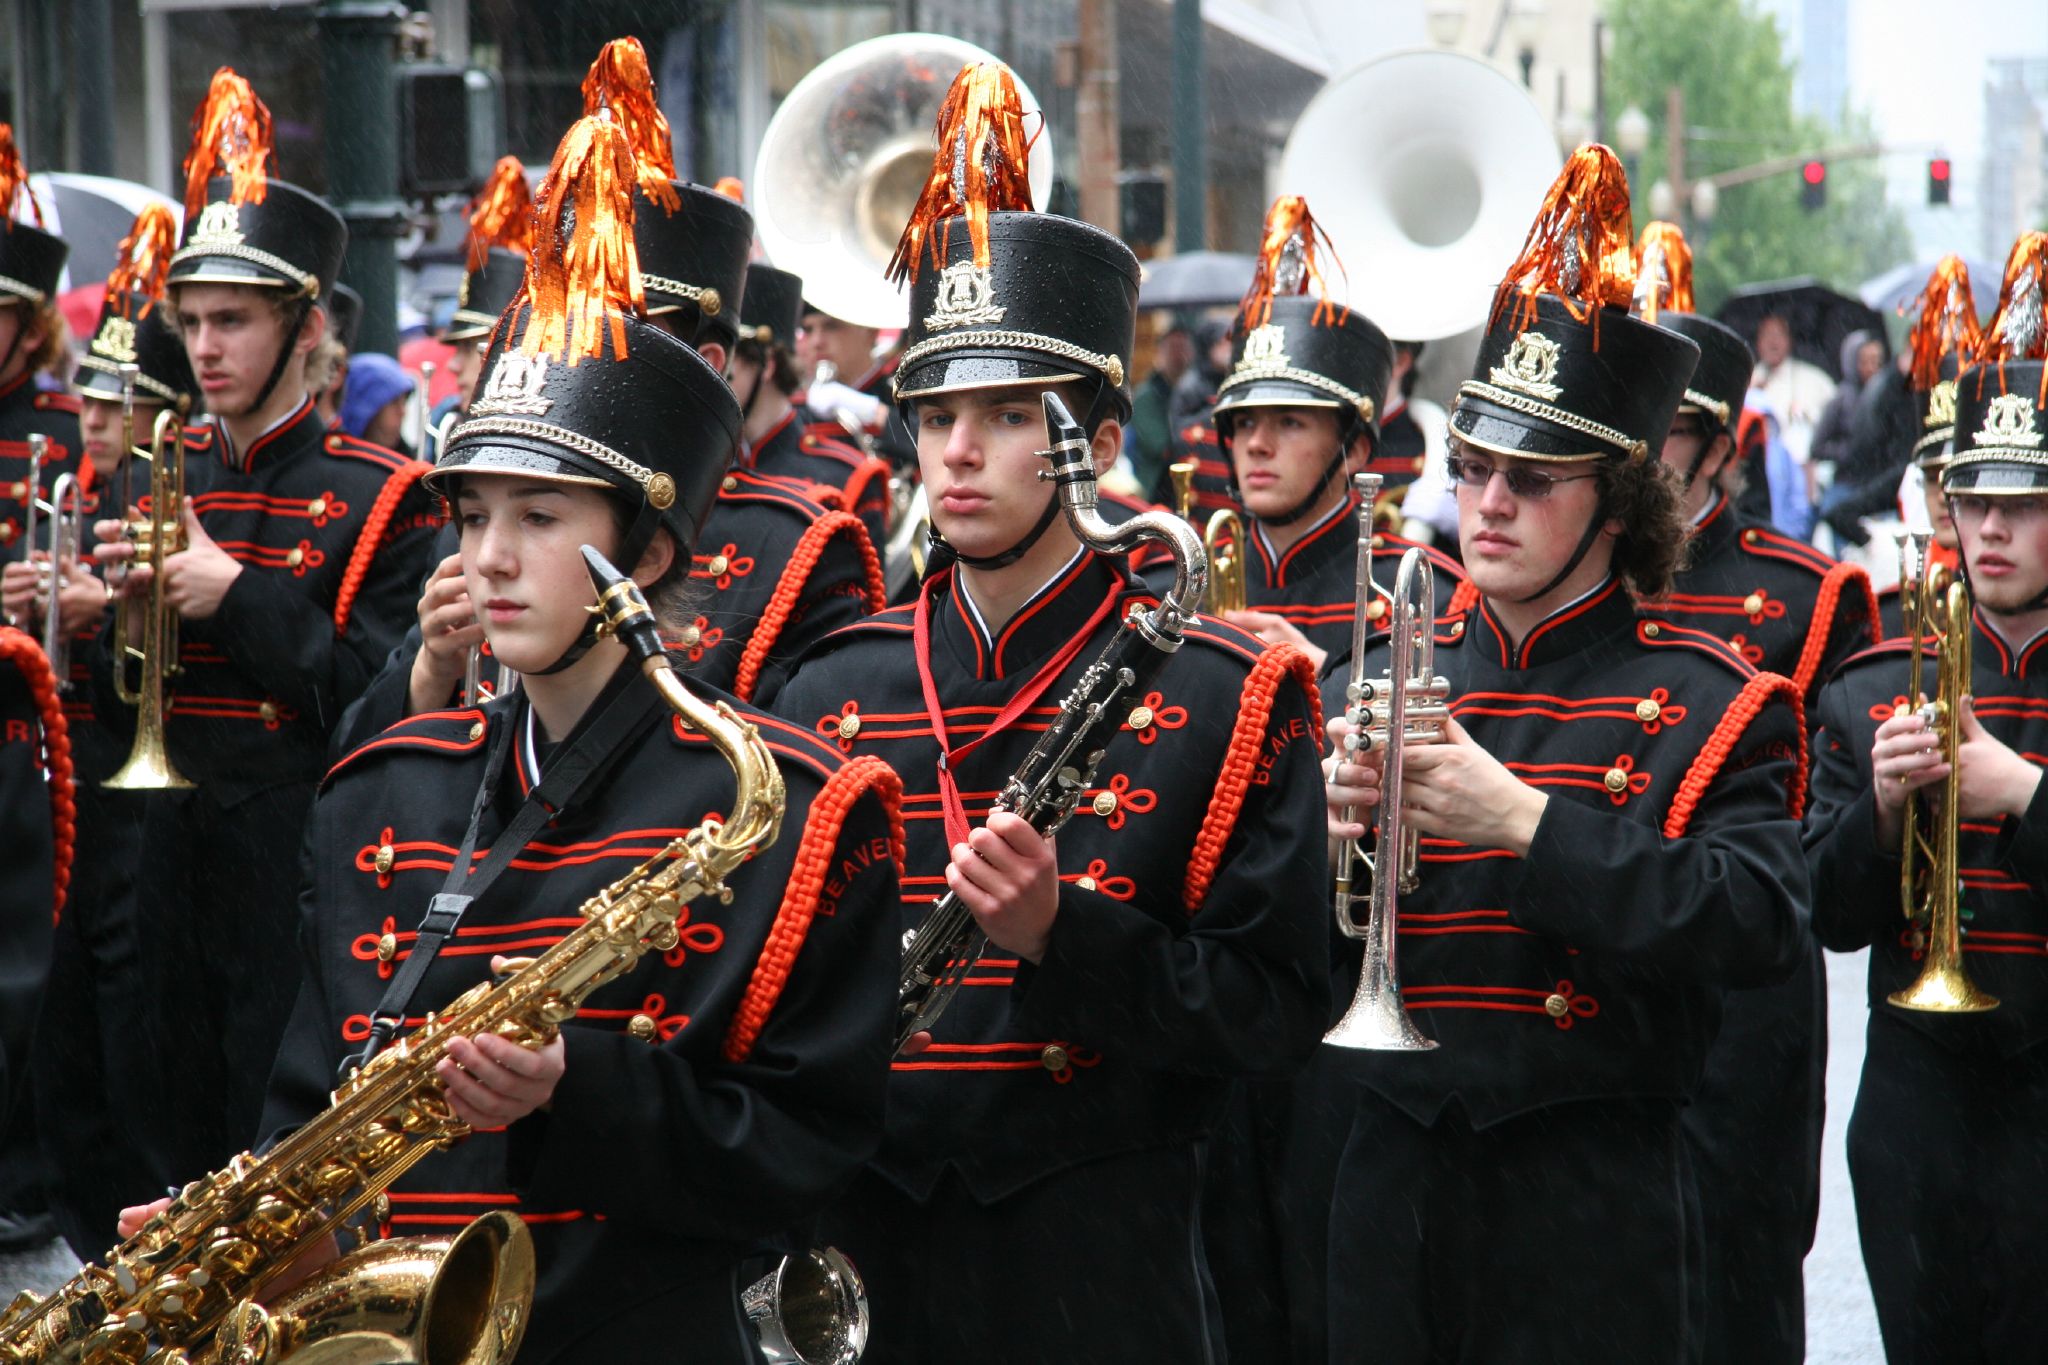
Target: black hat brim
x=1992, y=477
x=1506, y=431
x=227, y=270
x=1275, y=393
x=533, y=459
x=958, y=371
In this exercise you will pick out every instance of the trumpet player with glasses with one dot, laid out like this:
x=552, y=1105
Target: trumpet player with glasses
x=1037, y=1193
x=1928, y=841
x=263, y=581
x=1605, y=842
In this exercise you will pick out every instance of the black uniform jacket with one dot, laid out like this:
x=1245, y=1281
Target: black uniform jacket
x=1313, y=584
x=1215, y=484
x=813, y=451
x=1401, y=452
x=777, y=572
x=1189, y=947
x=2004, y=865
x=27, y=410
x=716, y=1094
x=333, y=535
x=1782, y=604
x=1665, y=870
x=37, y=826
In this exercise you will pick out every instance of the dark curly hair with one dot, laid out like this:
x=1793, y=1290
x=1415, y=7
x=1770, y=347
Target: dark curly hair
x=1645, y=497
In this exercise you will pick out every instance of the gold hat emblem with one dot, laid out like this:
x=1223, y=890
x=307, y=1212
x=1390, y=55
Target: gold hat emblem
x=514, y=387
x=1529, y=366
x=462, y=293
x=1941, y=405
x=966, y=298
x=2010, y=422
x=1265, y=348
x=116, y=340
x=220, y=224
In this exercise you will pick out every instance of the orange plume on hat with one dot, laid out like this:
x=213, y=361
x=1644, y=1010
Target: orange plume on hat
x=584, y=274
x=502, y=213
x=1663, y=271
x=620, y=85
x=230, y=136
x=982, y=166
x=1581, y=246
x=732, y=187
x=143, y=260
x=1947, y=324
x=14, y=179
x=1287, y=263
x=2018, y=330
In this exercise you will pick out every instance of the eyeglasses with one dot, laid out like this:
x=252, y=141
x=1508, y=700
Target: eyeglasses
x=1974, y=507
x=1523, y=481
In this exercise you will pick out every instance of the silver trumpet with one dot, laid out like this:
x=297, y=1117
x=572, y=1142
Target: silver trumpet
x=67, y=511
x=1406, y=705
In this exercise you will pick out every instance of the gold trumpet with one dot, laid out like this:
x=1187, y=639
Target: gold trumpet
x=1930, y=878
x=156, y=537
x=1222, y=540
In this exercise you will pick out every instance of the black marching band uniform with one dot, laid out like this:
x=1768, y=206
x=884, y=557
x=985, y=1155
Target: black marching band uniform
x=92, y=1044
x=1755, y=1122
x=31, y=269
x=1047, y=1149
x=39, y=830
x=333, y=535
x=1945, y=1150
x=809, y=448
x=715, y=1094
x=1522, y=1192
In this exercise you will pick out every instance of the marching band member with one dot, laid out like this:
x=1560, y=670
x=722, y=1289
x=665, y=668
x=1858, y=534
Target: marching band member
x=303, y=553
x=32, y=340
x=1944, y=1143
x=698, y=1110
x=1946, y=333
x=500, y=236
x=1297, y=414
x=38, y=828
x=1609, y=841
x=783, y=437
x=1059, y=1111
x=1755, y=1123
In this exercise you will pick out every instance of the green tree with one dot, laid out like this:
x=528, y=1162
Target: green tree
x=1728, y=61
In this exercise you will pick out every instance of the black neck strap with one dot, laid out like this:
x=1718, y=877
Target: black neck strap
x=646, y=521
x=1022, y=547
x=1578, y=555
x=284, y=353
x=570, y=772
x=1307, y=505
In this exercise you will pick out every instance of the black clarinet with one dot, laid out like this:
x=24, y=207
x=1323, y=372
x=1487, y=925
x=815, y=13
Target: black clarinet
x=940, y=952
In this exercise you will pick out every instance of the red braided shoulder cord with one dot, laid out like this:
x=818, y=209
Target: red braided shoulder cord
x=806, y=880
x=1254, y=709
x=1757, y=693
x=1822, y=627
x=25, y=654
x=368, y=541
x=789, y=588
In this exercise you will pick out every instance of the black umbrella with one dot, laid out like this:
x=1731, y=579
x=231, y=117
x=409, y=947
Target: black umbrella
x=93, y=213
x=1195, y=279
x=1820, y=318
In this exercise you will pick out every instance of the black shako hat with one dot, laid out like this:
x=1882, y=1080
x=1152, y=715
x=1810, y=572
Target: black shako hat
x=1058, y=300
x=1720, y=381
x=1945, y=332
x=695, y=258
x=290, y=240
x=485, y=293
x=1547, y=392
x=129, y=335
x=345, y=315
x=774, y=306
x=31, y=264
x=2001, y=418
x=657, y=426
x=1291, y=360
x=1936, y=407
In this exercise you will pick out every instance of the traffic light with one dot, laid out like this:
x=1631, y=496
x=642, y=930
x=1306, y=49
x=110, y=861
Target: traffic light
x=1937, y=180
x=1813, y=190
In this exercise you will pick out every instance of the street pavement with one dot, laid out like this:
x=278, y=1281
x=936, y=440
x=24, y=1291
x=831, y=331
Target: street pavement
x=1841, y=1326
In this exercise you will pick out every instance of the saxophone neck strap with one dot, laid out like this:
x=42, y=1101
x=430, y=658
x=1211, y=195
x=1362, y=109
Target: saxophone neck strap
x=571, y=771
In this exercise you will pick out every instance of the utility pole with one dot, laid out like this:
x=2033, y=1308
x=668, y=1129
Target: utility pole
x=1096, y=116
x=1190, y=131
x=359, y=47
x=92, y=55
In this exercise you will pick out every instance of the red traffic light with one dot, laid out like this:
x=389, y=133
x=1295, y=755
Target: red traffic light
x=1938, y=168
x=1814, y=172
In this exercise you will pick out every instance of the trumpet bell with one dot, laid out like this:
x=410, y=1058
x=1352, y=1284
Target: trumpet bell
x=1378, y=1020
x=844, y=159
x=1423, y=166
x=1943, y=988
x=149, y=767
x=811, y=1310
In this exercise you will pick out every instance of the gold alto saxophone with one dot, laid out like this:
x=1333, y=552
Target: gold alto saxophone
x=157, y=535
x=1930, y=874
x=183, y=1289
x=1222, y=540
x=1404, y=706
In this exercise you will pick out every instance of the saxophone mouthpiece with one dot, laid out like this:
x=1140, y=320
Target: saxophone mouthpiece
x=621, y=609
x=1072, y=461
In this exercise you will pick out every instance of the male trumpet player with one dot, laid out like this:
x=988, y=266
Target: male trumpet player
x=1945, y=1147
x=1608, y=843
x=1755, y=1124
x=303, y=549
x=1036, y=1195
x=33, y=340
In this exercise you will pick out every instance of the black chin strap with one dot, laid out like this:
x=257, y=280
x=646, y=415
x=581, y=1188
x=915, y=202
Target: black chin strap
x=645, y=522
x=284, y=355
x=1307, y=505
x=1015, y=552
x=1578, y=555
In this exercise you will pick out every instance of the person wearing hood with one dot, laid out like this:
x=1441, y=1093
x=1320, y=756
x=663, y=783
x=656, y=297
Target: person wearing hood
x=1863, y=356
x=1881, y=425
x=373, y=400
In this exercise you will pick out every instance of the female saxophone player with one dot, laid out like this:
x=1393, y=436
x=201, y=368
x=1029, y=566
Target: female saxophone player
x=698, y=1111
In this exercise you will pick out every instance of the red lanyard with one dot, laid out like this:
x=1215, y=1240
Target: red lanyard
x=949, y=757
